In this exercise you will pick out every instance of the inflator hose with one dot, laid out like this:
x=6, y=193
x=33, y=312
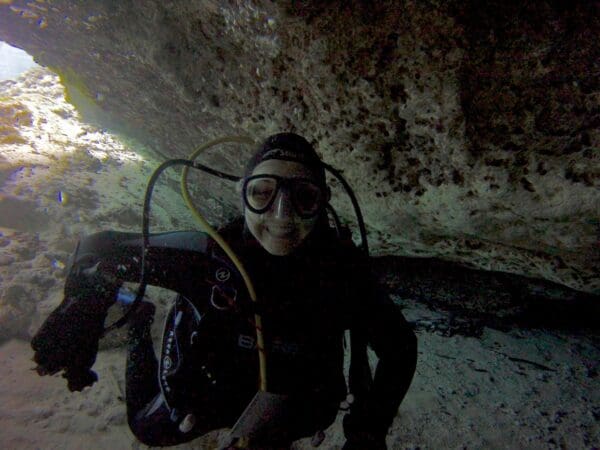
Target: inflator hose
x=260, y=343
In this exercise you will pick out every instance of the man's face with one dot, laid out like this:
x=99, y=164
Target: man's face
x=280, y=229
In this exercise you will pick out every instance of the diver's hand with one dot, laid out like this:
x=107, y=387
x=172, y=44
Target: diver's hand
x=68, y=339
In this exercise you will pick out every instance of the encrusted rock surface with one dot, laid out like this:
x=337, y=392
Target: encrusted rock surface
x=61, y=179
x=469, y=130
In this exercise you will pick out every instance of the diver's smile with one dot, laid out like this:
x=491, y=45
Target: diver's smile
x=281, y=231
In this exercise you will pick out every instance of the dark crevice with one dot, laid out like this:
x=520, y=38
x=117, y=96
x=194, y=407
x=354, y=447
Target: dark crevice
x=475, y=299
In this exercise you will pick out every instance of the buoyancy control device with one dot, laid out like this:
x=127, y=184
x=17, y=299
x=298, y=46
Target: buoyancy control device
x=180, y=261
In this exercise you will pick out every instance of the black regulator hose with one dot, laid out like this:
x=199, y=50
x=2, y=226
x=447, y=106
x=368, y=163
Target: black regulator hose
x=146, y=229
x=361, y=224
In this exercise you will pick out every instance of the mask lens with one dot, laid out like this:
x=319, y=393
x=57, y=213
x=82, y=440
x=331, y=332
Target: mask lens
x=307, y=198
x=260, y=192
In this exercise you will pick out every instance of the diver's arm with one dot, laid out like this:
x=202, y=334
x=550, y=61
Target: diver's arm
x=395, y=344
x=172, y=258
x=68, y=339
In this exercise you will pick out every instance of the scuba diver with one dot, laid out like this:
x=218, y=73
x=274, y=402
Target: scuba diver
x=311, y=283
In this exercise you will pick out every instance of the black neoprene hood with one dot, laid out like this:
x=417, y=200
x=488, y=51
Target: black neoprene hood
x=288, y=147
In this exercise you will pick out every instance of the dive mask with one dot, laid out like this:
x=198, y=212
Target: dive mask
x=259, y=193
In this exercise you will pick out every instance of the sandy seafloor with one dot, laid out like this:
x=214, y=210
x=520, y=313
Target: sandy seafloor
x=61, y=179
x=523, y=389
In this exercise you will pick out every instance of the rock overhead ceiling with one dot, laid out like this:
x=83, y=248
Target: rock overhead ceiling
x=470, y=130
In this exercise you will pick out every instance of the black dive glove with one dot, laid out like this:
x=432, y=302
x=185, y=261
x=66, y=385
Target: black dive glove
x=68, y=339
x=360, y=435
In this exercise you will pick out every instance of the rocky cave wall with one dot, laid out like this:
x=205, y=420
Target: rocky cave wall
x=469, y=130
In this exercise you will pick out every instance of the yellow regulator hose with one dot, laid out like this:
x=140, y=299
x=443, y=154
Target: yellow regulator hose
x=227, y=249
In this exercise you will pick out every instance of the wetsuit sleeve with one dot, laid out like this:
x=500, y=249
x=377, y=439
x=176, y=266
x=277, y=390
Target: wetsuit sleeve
x=395, y=344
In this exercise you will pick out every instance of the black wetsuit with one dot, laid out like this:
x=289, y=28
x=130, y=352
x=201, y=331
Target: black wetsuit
x=307, y=300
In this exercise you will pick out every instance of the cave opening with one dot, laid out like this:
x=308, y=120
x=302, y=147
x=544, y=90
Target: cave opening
x=13, y=61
